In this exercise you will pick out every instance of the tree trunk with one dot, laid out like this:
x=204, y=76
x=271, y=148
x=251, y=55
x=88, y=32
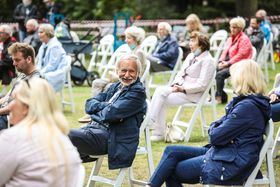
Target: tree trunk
x=246, y=8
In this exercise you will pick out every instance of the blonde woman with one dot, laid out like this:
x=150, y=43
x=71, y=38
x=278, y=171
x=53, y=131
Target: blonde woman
x=193, y=23
x=235, y=139
x=37, y=151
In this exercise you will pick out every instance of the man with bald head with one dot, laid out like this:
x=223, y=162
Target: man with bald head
x=116, y=116
x=32, y=37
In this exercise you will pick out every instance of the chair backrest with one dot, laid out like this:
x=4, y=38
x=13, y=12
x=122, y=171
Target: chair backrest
x=81, y=176
x=146, y=118
x=146, y=71
x=148, y=44
x=264, y=153
x=121, y=51
x=217, y=42
x=177, y=66
x=106, y=44
x=254, y=55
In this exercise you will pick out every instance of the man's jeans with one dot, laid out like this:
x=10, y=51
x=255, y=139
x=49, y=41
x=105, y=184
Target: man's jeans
x=275, y=109
x=179, y=164
x=90, y=140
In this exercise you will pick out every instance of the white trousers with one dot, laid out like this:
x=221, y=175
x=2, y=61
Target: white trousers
x=162, y=98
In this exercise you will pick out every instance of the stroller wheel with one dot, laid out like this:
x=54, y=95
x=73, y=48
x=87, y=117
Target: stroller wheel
x=78, y=83
x=92, y=76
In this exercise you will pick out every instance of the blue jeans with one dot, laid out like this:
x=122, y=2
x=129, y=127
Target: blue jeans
x=179, y=164
x=275, y=109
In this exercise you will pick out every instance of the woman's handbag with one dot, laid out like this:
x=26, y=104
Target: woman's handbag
x=173, y=134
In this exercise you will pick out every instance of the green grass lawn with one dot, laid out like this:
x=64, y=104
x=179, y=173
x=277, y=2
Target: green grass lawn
x=140, y=164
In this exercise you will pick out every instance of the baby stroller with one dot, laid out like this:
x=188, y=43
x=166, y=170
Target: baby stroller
x=79, y=72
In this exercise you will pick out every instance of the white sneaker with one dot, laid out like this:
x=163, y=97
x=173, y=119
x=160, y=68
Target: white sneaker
x=156, y=138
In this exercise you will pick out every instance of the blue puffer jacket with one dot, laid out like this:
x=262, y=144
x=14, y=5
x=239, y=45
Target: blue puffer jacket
x=124, y=116
x=236, y=140
x=167, y=52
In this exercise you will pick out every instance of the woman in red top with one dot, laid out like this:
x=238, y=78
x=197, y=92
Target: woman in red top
x=237, y=47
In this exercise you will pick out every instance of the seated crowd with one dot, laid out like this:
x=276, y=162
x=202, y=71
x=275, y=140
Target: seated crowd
x=43, y=151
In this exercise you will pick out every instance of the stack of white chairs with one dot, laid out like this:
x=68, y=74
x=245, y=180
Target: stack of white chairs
x=142, y=150
x=217, y=42
x=68, y=86
x=269, y=52
x=188, y=126
x=148, y=44
x=104, y=51
x=165, y=74
x=262, y=59
x=265, y=155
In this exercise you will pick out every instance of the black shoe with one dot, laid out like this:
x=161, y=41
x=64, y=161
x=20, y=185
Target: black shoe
x=86, y=159
x=224, y=98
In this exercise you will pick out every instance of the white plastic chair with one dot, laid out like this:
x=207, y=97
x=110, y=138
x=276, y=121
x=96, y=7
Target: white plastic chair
x=68, y=86
x=81, y=176
x=254, y=55
x=217, y=42
x=104, y=50
x=276, y=144
x=164, y=74
x=198, y=111
x=121, y=51
x=148, y=44
x=142, y=150
x=265, y=154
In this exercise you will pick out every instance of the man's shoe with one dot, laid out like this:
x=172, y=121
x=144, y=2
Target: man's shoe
x=85, y=119
x=87, y=158
x=156, y=138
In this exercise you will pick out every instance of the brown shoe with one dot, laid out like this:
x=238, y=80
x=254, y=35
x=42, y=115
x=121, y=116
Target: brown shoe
x=85, y=119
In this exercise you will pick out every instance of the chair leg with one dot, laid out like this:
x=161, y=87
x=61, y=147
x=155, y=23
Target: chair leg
x=120, y=177
x=276, y=144
x=149, y=150
x=94, y=172
x=270, y=170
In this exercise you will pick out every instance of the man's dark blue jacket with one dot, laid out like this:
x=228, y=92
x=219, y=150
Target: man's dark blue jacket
x=167, y=52
x=124, y=116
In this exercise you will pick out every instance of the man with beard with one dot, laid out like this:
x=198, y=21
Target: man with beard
x=165, y=54
x=23, y=57
x=116, y=116
x=255, y=34
x=33, y=37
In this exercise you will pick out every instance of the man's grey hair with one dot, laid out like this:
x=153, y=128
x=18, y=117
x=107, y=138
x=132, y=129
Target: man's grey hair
x=133, y=58
x=7, y=29
x=33, y=22
x=167, y=26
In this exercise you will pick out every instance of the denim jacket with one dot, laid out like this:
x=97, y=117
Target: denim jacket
x=124, y=116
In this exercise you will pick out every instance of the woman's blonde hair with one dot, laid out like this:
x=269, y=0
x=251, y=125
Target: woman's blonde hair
x=247, y=78
x=194, y=19
x=136, y=32
x=48, y=29
x=238, y=22
x=44, y=115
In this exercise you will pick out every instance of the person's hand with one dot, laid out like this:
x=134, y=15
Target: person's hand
x=223, y=65
x=273, y=97
x=271, y=92
x=177, y=88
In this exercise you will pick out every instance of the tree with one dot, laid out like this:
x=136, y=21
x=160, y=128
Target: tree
x=246, y=8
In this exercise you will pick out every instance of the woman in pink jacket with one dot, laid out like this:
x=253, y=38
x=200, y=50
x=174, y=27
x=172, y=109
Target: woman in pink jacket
x=237, y=47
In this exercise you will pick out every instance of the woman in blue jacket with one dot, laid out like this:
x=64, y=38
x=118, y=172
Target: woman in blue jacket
x=235, y=140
